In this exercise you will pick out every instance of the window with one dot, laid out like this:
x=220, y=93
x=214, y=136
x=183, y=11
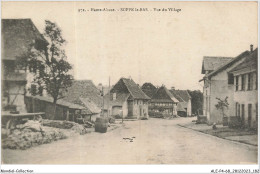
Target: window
x=243, y=80
x=243, y=114
x=249, y=114
x=114, y=96
x=237, y=110
x=237, y=80
x=250, y=81
x=230, y=79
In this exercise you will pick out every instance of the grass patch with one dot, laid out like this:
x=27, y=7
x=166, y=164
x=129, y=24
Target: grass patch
x=227, y=132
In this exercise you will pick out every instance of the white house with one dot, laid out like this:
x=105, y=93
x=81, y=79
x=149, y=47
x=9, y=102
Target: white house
x=245, y=90
x=218, y=83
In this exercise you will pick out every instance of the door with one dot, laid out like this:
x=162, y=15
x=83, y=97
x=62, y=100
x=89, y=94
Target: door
x=249, y=114
x=130, y=107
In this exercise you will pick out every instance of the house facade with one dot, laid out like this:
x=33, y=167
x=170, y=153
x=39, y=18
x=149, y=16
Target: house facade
x=184, y=105
x=218, y=83
x=19, y=36
x=245, y=91
x=164, y=102
x=127, y=99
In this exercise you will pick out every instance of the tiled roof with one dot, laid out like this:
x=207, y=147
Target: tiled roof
x=163, y=95
x=59, y=102
x=228, y=64
x=181, y=95
x=174, y=93
x=250, y=62
x=83, y=89
x=134, y=89
x=18, y=35
x=90, y=105
x=212, y=63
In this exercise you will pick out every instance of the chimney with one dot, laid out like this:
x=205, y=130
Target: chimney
x=251, y=48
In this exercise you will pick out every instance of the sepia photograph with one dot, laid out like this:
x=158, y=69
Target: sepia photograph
x=129, y=83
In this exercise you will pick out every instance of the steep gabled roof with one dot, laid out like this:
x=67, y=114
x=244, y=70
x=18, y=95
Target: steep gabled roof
x=83, y=89
x=18, y=36
x=181, y=95
x=149, y=89
x=163, y=95
x=212, y=63
x=134, y=89
x=175, y=94
x=126, y=86
x=250, y=62
x=228, y=64
x=184, y=94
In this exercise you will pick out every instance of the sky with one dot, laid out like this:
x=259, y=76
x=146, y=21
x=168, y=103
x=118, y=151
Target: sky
x=161, y=47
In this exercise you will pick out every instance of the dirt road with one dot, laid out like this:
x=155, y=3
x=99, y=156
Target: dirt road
x=155, y=141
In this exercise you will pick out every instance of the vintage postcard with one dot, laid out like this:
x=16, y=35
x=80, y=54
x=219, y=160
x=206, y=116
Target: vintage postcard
x=129, y=83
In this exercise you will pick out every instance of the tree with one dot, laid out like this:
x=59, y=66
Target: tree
x=149, y=89
x=221, y=105
x=49, y=64
x=196, y=101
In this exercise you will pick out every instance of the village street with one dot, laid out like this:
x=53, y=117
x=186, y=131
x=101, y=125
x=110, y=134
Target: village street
x=157, y=141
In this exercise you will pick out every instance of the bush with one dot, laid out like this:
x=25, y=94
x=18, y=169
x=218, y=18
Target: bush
x=234, y=122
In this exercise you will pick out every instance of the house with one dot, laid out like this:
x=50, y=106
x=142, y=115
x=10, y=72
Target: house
x=93, y=110
x=127, y=99
x=64, y=110
x=149, y=89
x=245, y=90
x=83, y=89
x=19, y=36
x=164, y=102
x=211, y=63
x=184, y=105
x=218, y=83
x=86, y=94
